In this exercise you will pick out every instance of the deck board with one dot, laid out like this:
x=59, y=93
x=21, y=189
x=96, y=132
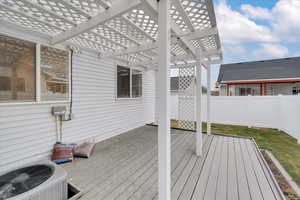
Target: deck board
x=125, y=167
x=221, y=190
x=259, y=174
x=242, y=179
x=232, y=187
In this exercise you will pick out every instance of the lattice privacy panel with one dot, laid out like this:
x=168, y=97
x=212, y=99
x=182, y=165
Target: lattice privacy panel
x=186, y=98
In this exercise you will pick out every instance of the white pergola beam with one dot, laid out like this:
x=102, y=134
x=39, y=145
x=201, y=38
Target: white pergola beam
x=177, y=31
x=105, y=38
x=164, y=137
x=119, y=8
x=205, y=58
x=152, y=6
x=122, y=34
x=104, y=4
x=145, y=55
x=149, y=46
x=211, y=12
x=55, y=15
x=144, y=47
x=147, y=35
x=30, y=17
x=200, y=34
x=90, y=40
x=73, y=7
x=184, y=15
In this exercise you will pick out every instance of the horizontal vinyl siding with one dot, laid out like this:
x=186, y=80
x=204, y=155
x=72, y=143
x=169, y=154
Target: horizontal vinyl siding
x=28, y=132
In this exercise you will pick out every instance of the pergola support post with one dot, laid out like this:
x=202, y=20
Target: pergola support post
x=208, y=117
x=199, y=107
x=164, y=138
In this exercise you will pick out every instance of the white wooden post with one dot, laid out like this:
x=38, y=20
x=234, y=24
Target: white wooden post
x=208, y=99
x=164, y=143
x=199, y=107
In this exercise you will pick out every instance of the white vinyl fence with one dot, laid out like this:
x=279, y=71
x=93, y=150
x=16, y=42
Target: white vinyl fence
x=280, y=112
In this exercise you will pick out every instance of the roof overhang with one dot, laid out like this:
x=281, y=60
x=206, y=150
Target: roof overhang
x=121, y=29
x=262, y=81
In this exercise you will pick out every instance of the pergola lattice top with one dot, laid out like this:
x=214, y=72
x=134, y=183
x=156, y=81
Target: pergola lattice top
x=123, y=29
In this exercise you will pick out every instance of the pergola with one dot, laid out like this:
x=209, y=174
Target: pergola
x=152, y=34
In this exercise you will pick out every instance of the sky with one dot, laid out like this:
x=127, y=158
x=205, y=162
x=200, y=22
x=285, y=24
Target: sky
x=257, y=30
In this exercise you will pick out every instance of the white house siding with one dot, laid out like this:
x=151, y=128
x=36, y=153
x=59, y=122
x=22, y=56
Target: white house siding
x=28, y=132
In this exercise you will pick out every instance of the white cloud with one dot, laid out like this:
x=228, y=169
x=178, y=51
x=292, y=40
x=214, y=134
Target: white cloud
x=271, y=51
x=236, y=28
x=296, y=54
x=284, y=18
x=286, y=22
x=256, y=12
x=235, y=50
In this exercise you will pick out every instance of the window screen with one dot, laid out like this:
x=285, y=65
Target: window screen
x=54, y=74
x=136, y=83
x=17, y=70
x=123, y=81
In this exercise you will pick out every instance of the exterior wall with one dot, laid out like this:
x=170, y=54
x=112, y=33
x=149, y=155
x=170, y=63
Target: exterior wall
x=28, y=131
x=281, y=89
x=267, y=89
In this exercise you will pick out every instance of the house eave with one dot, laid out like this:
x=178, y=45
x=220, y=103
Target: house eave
x=259, y=81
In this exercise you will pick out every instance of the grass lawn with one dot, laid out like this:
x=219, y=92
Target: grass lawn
x=285, y=148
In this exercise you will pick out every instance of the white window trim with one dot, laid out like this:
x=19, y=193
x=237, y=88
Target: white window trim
x=130, y=85
x=37, y=99
x=38, y=73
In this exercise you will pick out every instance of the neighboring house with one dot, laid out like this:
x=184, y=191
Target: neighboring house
x=268, y=77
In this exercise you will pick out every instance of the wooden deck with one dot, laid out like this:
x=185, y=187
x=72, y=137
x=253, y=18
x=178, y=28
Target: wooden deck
x=125, y=167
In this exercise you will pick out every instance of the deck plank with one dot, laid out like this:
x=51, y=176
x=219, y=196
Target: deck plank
x=243, y=187
x=178, y=160
x=221, y=190
x=125, y=167
x=232, y=186
x=200, y=184
x=120, y=177
x=211, y=187
x=190, y=173
x=258, y=170
x=255, y=190
x=274, y=186
x=111, y=156
x=138, y=184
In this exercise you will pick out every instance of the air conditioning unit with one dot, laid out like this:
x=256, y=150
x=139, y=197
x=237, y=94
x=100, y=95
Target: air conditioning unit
x=38, y=181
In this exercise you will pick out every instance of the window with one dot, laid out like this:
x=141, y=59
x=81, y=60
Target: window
x=136, y=83
x=54, y=74
x=245, y=91
x=21, y=85
x=296, y=90
x=17, y=70
x=129, y=82
x=19, y=67
x=5, y=83
x=123, y=80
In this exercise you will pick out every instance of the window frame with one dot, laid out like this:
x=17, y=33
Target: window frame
x=131, y=68
x=37, y=99
x=38, y=75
